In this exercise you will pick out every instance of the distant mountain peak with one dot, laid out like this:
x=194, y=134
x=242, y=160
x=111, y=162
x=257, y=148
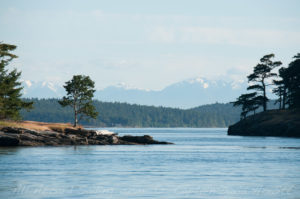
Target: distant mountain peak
x=42, y=89
x=185, y=94
x=125, y=86
x=195, y=81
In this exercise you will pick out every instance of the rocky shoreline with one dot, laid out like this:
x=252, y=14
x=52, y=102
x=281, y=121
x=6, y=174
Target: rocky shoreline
x=11, y=136
x=279, y=123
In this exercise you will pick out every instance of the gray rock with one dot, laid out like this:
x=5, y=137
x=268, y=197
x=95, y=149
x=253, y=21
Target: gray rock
x=145, y=139
x=9, y=140
x=10, y=136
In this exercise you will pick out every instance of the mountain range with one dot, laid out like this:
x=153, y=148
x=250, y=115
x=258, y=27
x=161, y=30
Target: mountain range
x=185, y=94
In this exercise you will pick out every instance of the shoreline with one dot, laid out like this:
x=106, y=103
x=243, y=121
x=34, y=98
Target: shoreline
x=61, y=134
x=271, y=123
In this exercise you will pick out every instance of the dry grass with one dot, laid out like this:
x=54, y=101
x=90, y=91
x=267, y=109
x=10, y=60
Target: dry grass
x=38, y=126
x=8, y=123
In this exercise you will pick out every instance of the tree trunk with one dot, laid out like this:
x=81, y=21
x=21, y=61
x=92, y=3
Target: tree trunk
x=265, y=97
x=75, y=119
x=75, y=113
x=284, y=98
x=280, y=98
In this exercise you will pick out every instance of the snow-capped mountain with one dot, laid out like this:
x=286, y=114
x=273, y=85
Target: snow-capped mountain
x=42, y=89
x=185, y=94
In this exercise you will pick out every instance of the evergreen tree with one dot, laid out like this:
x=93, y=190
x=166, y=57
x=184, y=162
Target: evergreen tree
x=292, y=82
x=80, y=91
x=249, y=102
x=10, y=86
x=261, y=72
x=281, y=89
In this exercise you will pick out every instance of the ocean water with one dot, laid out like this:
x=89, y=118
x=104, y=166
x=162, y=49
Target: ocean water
x=203, y=163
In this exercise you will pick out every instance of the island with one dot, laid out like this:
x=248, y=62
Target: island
x=282, y=123
x=30, y=133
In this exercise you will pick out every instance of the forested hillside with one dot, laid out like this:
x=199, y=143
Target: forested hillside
x=123, y=114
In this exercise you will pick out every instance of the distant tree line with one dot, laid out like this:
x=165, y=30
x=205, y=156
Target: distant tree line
x=286, y=85
x=114, y=114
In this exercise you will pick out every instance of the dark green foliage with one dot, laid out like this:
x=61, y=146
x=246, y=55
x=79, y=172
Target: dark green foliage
x=127, y=115
x=249, y=102
x=132, y=115
x=288, y=86
x=80, y=91
x=10, y=87
x=281, y=88
x=252, y=101
x=261, y=72
x=219, y=114
x=293, y=82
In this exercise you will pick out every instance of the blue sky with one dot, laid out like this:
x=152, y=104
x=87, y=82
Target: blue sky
x=147, y=44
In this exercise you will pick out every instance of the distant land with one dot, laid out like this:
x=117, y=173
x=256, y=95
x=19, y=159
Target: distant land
x=133, y=115
x=185, y=94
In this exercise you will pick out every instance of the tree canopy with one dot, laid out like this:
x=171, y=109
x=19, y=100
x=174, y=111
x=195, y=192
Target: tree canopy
x=10, y=86
x=291, y=82
x=80, y=91
x=249, y=102
x=261, y=72
x=286, y=85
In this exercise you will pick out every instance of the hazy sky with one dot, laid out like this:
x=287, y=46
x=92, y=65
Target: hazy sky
x=147, y=44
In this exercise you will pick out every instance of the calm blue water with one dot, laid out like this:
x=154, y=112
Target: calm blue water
x=203, y=163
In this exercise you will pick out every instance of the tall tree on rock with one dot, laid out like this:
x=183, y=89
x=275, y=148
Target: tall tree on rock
x=80, y=91
x=10, y=86
x=261, y=72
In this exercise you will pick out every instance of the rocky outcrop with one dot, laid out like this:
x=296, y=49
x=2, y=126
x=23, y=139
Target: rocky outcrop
x=24, y=137
x=283, y=123
x=146, y=139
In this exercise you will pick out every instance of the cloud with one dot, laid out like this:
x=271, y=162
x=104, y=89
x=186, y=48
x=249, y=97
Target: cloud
x=231, y=36
x=164, y=35
x=140, y=48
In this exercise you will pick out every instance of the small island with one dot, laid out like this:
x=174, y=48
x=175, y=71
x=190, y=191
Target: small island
x=282, y=123
x=30, y=133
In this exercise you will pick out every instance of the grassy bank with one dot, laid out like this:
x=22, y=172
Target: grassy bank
x=37, y=126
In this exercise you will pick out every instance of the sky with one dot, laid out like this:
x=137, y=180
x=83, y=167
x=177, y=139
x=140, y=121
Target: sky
x=147, y=44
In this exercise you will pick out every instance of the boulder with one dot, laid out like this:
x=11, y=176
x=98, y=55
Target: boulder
x=81, y=132
x=113, y=139
x=105, y=132
x=8, y=140
x=145, y=139
x=12, y=130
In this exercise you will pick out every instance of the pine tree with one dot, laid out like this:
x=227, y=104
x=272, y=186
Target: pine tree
x=10, y=86
x=249, y=102
x=261, y=72
x=292, y=82
x=281, y=89
x=80, y=91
